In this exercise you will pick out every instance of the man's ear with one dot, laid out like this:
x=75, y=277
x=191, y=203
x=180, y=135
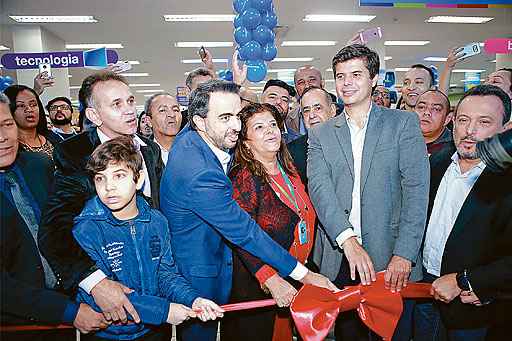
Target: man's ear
x=93, y=116
x=333, y=110
x=199, y=122
x=140, y=180
x=448, y=118
x=375, y=80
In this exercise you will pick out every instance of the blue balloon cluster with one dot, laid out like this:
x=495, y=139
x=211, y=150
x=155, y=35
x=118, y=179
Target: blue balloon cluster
x=5, y=82
x=254, y=25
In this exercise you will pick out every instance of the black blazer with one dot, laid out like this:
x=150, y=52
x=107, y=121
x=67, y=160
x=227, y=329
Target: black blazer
x=73, y=187
x=480, y=241
x=24, y=298
x=298, y=149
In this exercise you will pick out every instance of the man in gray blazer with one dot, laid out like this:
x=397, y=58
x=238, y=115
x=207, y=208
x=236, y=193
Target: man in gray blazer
x=368, y=177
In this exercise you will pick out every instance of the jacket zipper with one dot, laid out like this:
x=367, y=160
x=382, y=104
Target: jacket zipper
x=133, y=232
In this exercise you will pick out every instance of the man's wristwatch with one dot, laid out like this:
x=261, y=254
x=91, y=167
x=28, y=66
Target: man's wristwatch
x=463, y=281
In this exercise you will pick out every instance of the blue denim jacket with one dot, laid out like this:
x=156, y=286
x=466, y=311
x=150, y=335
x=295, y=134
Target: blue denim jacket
x=136, y=253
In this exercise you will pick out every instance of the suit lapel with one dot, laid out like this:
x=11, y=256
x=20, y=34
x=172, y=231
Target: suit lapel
x=373, y=131
x=343, y=134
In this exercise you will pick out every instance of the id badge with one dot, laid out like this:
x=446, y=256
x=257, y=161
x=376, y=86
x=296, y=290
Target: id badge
x=303, y=232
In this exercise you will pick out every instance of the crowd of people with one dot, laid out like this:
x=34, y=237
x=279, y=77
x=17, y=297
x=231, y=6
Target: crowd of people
x=129, y=223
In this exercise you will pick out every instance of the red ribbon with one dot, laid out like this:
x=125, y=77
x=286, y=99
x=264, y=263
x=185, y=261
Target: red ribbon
x=315, y=309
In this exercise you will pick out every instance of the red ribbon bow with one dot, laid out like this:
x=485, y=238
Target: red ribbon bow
x=315, y=309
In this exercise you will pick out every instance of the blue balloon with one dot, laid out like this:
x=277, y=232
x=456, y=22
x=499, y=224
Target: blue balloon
x=251, y=18
x=228, y=76
x=256, y=70
x=242, y=35
x=252, y=50
x=262, y=5
x=263, y=35
x=222, y=73
x=241, y=54
x=4, y=85
x=240, y=5
x=269, y=19
x=269, y=52
x=8, y=80
x=237, y=22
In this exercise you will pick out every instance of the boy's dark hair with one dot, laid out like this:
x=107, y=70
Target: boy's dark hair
x=118, y=150
x=426, y=68
x=489, y=90
x=357, y=51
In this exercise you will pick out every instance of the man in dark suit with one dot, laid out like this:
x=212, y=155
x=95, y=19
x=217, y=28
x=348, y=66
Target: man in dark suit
x=467, y=251
x=197, y=198
x=110, y=105
x=317, y=107
x=27, y=282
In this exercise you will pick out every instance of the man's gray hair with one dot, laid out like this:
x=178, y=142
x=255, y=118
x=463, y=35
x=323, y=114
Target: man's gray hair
x=197, y=72
x=150, y=100
x=200, y=97
x=4, y=99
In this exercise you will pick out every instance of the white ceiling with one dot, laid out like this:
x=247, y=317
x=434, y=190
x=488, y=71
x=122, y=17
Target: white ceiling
x=139, y=26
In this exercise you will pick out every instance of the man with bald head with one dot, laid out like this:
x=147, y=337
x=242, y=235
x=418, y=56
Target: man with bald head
x=433, y=109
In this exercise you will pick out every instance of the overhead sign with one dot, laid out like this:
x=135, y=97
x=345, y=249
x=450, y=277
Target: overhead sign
x=437, y=3
x=95, y=59
x=498, y=45
x=182, y=95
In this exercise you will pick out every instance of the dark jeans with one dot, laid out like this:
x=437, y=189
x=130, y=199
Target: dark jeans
x=350, y=327
x=428, y=325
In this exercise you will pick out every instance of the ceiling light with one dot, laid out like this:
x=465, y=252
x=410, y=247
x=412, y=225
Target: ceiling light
x=402, y=69
x=134, y=74
x=53, y=18
x=406, y=42
x=140, y=85
x=198, y=44
x=256, y=87
x=74, y=87
x=3, y=48
x=308, y=43
x=338, y=17
x=388, y=58
x=458, y=20
x=94, y=46
x=493, y=61
x=293, y=59
x=150, y=90
x=281, y=70
x=435, y=59
x=467, y=70
x=330, y=80
x=328, y=70
x=200, y=17
x=199, y=61
x=133, y=62
x=453, y=85
x=69, y=76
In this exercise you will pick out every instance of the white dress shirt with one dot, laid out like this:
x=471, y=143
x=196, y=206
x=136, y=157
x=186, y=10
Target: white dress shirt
x=451, y=195
x=300, y=270
x=163, y=151
x=357, y=136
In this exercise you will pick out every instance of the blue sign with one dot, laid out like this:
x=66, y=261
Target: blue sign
x=95, y=59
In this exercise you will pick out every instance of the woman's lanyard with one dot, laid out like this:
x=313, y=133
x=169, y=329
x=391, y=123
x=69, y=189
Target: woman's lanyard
x=303, y=232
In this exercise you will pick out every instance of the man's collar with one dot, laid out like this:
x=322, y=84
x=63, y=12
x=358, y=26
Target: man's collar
x=456, y=159
x=104, y=138
x=349, y=119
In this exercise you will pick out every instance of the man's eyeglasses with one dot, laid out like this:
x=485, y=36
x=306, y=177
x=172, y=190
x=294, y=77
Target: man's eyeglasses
x=59, y=107
x=382, y=94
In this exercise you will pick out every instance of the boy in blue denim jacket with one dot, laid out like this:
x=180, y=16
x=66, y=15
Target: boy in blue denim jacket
x=130, y=243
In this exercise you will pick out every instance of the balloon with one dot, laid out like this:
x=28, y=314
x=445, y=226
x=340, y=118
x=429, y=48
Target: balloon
x=241, y=54
x=240, y=5
x=252, y=50
x=237, y=22
x=269, y=19
x=242, y=35
x=263, y=35
x=9, y=80
x=269, y=52
x=262, y=5
x=251, y=18
x=256, y=70
x=228, y=76
x=222, y=73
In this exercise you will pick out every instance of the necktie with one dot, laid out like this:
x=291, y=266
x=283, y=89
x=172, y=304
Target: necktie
x=26, y=211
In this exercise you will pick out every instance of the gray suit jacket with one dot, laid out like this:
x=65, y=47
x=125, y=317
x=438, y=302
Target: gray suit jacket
x=394, y=188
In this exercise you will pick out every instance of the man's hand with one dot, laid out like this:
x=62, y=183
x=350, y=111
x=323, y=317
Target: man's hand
x=206, y=310
x=110, y=296
x=239, y=73
x=87, y=320
x=282, y=291
x=470, y=297
x=356, y=39
x=41, y=82
x=454, y=56
x=318, y=280
x=179, y=313
x=397, y=273
x=359, y=259
x=445, y=288
x=208, y=61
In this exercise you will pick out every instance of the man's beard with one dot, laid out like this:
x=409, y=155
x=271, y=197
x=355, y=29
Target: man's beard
x=61, y=122
x=466, y=155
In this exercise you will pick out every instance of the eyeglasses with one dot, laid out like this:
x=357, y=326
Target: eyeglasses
x=25, y=106
x=59, y=107
x=382, y=94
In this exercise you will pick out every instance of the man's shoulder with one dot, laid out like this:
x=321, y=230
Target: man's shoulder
x=396, y=115
x=71, y=154
x=299, y=142
x=31, y=161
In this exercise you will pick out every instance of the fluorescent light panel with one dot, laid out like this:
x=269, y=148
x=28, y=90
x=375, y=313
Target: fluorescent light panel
x=467, y=70
x=199, y=17
x=150, y=90
x=388, y=58
x=458, y=20
x=140, y=85
x=308, y=43
x=339, y=17
x=94, y=46
x=406, y=42
x=133, y=62
x=293, y=59
x=74, y=87
x=198, y=44
x=281, y=70
x=53, y=18
x=199, y=61
x=402, y=69
x=435, y=59
x=4, y=48
x=135, y=74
